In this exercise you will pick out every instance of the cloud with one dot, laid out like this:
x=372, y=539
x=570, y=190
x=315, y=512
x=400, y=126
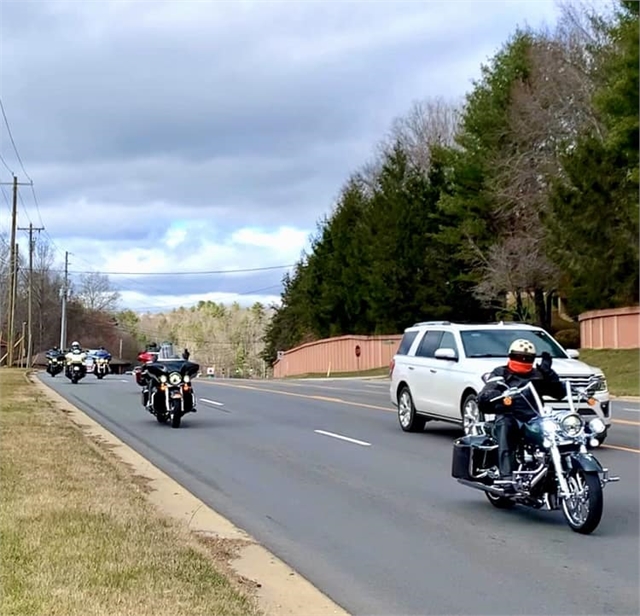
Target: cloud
x=193, y=135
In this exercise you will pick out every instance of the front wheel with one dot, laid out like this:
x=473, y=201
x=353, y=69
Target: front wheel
x=583, y=508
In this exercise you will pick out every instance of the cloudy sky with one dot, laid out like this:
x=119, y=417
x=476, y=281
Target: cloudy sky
x=195, y=135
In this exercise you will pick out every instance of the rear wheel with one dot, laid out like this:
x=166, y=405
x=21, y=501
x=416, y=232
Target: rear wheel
x=471, y=415
x=409, y=420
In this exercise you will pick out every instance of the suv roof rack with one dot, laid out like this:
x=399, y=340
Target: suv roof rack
x=431, y=323
x=515, y=323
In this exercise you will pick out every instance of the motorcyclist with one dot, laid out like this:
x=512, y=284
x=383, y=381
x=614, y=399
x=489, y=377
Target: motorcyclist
x=75, y=354
x=518, y=371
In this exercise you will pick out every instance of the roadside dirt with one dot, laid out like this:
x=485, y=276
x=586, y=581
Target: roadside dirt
x=278, y=589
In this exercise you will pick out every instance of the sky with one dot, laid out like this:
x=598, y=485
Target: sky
x=165, y=138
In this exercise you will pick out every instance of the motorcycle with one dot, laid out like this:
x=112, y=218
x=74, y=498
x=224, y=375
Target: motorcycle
x=76, y=368
x=55, y=364
x=168, y=391
x=100, y=367
x=554, y=468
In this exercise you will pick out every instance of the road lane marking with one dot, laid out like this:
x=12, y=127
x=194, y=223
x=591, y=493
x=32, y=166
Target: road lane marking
x=366, y=406
x=628, y=449
x=626, y=422
x=343, y=438
x=211, y=401
x=631, y=410
x=307, y=396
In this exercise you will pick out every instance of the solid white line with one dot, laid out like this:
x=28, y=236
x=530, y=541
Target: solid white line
x=211, y=401
x=632, y=410
x=343, y=438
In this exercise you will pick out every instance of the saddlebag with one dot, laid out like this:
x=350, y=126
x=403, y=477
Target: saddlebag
x=471, y=454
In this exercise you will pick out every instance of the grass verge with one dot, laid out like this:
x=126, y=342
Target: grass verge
x=78, y=537
x=621, y=367
x=384, y=371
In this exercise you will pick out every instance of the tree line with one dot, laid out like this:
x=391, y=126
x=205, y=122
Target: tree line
x=92, y=305
x=230, y=338
x=524, y=194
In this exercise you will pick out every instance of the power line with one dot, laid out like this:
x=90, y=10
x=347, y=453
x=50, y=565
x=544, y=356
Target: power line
x=182, y=273
x=13, y=143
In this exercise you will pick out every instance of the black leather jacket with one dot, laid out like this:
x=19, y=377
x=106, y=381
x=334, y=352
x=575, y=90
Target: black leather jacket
x=546, y=382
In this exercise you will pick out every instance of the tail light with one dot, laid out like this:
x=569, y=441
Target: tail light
x=392, y=365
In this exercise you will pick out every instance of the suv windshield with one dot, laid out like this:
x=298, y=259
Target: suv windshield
x=496, y=342
x=167, y=351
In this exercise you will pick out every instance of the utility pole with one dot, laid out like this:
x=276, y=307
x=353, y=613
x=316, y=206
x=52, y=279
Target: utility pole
x=13, y=264
x=63, y=320
x=30, y=229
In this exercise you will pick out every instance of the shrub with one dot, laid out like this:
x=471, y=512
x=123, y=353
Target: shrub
x=569, y=338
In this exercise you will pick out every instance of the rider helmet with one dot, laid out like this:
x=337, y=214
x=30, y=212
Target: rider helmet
x=75, y=346
x=522, y=354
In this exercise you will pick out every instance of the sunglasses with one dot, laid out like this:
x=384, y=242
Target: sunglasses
x=525, y=358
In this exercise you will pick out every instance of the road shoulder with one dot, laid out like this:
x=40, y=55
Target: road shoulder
x=278, y=589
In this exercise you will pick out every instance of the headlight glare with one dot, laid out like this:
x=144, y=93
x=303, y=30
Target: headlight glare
x=549, y=426
x=597, y=426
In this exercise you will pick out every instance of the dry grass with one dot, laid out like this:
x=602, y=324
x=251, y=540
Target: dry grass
x=78, y=536
x=620, y=366
x=383, y=371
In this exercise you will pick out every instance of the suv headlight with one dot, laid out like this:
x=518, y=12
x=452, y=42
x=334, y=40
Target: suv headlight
x=602, y=384
x=572, y=424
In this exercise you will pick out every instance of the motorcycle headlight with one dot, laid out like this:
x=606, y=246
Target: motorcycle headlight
x=572, y=424
x=187, y=378
x=175, y=378
x=597, y=426
x=163, y=378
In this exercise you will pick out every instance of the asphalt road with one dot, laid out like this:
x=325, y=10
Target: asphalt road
x=377, y=522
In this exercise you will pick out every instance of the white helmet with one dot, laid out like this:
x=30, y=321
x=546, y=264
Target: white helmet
x=522, y=347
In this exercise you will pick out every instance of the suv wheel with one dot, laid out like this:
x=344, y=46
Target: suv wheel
x=471, y=414
x=409, y=420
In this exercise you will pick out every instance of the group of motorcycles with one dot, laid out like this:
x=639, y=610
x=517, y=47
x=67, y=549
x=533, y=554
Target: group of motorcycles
x=74, y=363
x=555, y=469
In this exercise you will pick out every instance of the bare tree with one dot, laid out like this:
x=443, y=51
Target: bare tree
x=428, y=123
x=96, y=293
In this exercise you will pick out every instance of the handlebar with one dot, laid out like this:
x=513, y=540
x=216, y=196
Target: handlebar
x=581, y=392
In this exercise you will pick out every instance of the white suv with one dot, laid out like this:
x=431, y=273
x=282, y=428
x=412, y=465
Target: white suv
x=438, y=369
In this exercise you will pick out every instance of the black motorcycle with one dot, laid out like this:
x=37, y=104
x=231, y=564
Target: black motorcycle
x=554, y=468
x=167, y=389
x=55, y=363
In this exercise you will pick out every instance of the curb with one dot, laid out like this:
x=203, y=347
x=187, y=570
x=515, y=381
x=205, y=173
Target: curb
x=626, y=398
x=282, y=592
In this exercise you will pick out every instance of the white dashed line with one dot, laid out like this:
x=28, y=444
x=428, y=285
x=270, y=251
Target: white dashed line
x=343, y=438
x=211, y=402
